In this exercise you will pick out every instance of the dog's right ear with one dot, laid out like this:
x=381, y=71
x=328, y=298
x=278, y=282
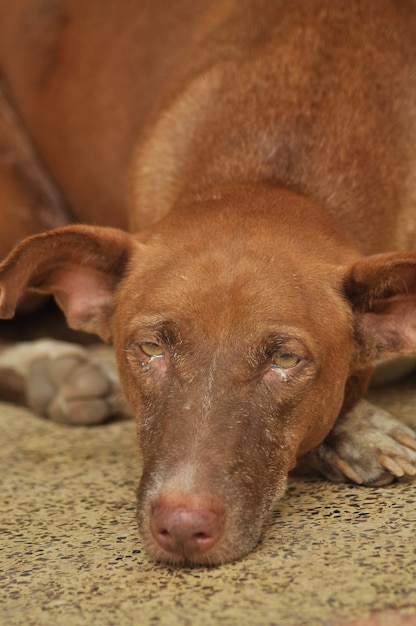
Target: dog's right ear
x=382, y=293
x=81, y=266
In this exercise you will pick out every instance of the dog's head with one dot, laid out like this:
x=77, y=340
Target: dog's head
x=237, y=324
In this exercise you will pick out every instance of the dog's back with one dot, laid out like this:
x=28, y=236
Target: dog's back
x=320, y=98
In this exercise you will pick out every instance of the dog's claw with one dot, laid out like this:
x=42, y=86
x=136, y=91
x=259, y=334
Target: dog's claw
x=391, y=465
x=409, y=469
x=406, y=440
x=348, y=471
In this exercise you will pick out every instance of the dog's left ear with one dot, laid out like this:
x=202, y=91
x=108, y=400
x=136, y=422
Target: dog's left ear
x=382, y=291
x=81, y=266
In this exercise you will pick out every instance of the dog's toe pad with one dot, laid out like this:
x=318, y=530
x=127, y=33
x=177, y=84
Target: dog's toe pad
x=91, y=411
x=72, y=389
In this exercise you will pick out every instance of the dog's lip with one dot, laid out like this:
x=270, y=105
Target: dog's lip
x=235, y=542
x=220, y=554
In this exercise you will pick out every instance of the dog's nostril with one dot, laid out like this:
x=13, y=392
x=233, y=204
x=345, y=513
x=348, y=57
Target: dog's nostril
x=165, y=534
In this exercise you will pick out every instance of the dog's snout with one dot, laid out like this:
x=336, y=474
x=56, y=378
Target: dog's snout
x=187, y=526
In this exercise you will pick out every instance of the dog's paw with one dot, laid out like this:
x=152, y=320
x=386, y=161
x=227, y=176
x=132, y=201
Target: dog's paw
x=65, y=382
x=367, y=446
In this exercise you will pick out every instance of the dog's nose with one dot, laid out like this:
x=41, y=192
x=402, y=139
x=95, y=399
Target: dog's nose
x=187, y=525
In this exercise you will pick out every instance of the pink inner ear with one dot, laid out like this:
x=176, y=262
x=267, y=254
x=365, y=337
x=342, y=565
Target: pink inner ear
x=80, y=265
x=391, y=325
x=381, y=290
x=85, y=294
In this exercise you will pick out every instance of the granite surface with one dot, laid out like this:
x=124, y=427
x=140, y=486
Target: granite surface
x=70, y=553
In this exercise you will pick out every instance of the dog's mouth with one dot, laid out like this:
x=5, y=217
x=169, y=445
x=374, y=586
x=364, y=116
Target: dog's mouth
x=202, y=528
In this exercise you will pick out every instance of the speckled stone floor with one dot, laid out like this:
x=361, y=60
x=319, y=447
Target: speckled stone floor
x=70, y=554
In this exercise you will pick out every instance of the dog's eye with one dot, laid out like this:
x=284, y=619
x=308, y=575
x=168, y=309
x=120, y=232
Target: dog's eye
x=151, y=349
x=285, y=360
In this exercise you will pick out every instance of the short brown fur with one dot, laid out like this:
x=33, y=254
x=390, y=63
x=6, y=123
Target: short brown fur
x=244, y=172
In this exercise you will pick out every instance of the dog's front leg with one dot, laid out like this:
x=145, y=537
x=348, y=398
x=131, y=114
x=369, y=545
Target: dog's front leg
x=367, y=446
x=59, y=380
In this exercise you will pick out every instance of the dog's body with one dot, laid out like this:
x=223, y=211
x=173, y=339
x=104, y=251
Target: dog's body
x=261, y=157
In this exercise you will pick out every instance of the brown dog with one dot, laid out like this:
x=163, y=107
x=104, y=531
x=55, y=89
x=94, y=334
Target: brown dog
x=247, y=172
